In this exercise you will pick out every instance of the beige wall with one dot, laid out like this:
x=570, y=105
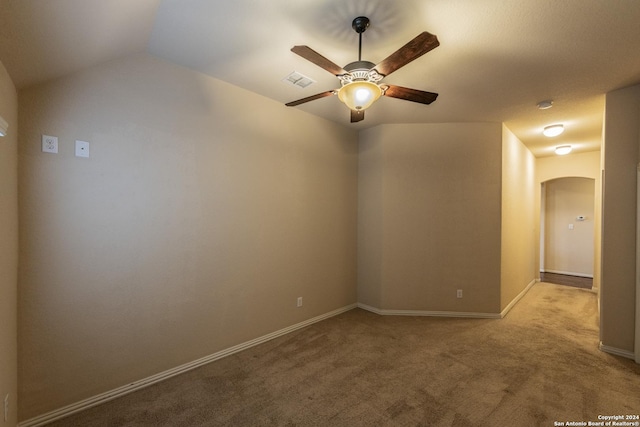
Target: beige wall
x=586, y=165
x=621, y=144
x=518, y=236
x=202, y=214
x=568, y=242
x=429, y=217
x=8, y=249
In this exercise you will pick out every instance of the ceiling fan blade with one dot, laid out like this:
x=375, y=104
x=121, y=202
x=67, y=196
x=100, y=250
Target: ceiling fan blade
x=357, y=116
x=311, y=55
x=417, y=47
x=410, y=94
x=310, y=98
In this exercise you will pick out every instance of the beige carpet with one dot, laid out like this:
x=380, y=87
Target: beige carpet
x=538, y=365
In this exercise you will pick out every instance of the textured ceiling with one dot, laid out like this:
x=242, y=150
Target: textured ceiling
x=495, y=62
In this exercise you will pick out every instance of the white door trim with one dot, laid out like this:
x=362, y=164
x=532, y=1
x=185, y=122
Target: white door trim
x=637, y=337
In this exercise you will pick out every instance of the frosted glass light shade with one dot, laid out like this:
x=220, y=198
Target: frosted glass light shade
x=553, y=130
x=563, y=149
x=359, y=95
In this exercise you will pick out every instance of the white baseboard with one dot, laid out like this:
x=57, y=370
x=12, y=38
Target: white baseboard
x=617, y=351
x=384, y=312
x=567, y=273
x=513, y=302
x=137, y=385
x=465, y=314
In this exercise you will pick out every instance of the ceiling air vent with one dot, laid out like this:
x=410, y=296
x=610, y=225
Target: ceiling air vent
x=298, y=79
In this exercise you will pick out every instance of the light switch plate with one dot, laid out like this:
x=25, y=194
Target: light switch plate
x=82, y=149
x=49, y=144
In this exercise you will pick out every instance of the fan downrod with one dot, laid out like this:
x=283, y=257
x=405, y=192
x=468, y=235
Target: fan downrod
x=360, y=25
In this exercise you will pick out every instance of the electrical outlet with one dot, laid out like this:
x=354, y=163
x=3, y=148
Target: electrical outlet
x=459, y=293
x=49, y=144
x=6, y=407
x=299, y=301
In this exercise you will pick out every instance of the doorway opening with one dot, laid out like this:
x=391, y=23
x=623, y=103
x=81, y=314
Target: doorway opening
x=567, y=227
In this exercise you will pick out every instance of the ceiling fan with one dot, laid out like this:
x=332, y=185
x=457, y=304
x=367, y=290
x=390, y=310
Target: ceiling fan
x=361, y=80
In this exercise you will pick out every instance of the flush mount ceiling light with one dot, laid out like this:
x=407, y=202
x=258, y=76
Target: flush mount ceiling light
x=3, y=127
x=561, y=150
x=361, y=80
x=553, y=130
x=544, y=105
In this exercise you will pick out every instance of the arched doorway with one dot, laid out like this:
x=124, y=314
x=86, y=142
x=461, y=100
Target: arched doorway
x=567, y=231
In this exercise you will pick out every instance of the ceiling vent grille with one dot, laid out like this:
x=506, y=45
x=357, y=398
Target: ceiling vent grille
x=297, y=79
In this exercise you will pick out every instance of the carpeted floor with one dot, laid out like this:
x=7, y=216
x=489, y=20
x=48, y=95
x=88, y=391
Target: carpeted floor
x=537, y=366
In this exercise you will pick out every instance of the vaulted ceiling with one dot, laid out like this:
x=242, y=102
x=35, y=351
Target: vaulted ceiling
x=496, y=60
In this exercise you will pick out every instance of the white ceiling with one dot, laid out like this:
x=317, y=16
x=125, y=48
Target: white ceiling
x=496, y=60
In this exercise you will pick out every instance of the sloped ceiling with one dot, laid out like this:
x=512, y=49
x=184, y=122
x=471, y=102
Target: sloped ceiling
x=495, y=62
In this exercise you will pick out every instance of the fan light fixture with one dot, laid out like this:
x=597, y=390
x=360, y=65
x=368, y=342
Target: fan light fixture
x=3, y=127
x=359, y=95
x=561, y=150
x=553, y=130
x=361, y=81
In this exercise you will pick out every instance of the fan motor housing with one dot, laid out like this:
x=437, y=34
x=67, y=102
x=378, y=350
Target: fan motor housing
x=360, y=70
x=359, y=65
